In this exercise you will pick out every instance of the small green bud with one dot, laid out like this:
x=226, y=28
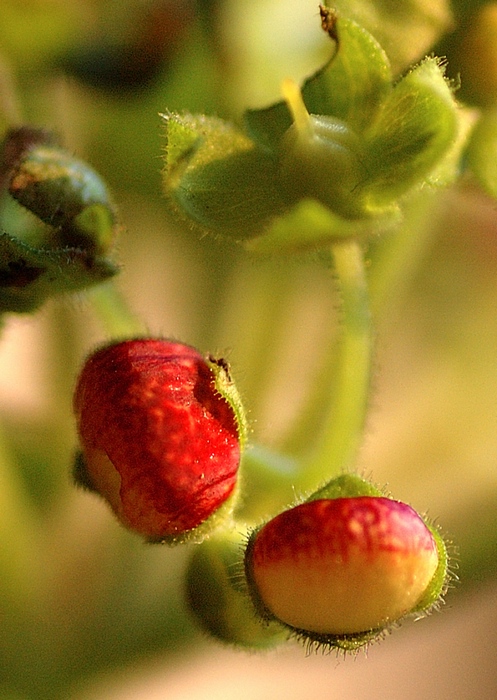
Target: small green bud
x=67, y=195
x=217, y=595
x=58, y=222
x=321, y=158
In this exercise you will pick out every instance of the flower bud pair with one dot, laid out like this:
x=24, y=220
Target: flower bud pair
x=161, y=430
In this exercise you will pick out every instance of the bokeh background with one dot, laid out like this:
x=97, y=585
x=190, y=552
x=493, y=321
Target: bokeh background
x=105, y=617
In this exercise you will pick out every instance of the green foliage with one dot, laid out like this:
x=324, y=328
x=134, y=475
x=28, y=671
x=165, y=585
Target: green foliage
x=366, y=143
x=58, y=222
x=29, y=276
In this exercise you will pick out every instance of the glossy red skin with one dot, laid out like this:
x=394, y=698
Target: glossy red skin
x=324, y=527
x=341, y=566
x=151, y=406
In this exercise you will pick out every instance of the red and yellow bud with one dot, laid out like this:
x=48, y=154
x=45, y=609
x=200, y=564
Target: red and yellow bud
x=161, y=430
x=341, y=570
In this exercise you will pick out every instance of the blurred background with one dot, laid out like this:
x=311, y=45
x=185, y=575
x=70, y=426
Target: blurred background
x=88, y=611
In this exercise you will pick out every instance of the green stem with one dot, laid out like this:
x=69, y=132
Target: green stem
x=10, y=108
x=19, y=552
x=344, y=420
x=342, y=395
x=396, y=258
x=114, y=313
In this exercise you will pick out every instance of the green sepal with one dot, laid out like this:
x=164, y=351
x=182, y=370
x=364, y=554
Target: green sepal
x=218, y=596
x=217, y=178
x=301, y=184
x=350, y=86
x=345, y=486
x=441, y=578
x=224, y=385
x=29, y=276
x=310, y=225
x=481, y=152
x=414, y=130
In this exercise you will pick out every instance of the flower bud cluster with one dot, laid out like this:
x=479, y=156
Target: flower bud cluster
x=161, y=430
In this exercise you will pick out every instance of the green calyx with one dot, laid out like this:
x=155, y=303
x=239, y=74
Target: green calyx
x=218, y=596
x=415, y=127
x=225, y=386
x=350, y=144
x=217, y=178
x=439, y=584
x=346, y=486
x=320, y=158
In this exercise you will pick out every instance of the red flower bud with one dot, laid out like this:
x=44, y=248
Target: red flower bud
x=343, y=567
x=161, y=430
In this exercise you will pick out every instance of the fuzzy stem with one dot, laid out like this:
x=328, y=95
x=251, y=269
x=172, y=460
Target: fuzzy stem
x=114, y=313
x=346, y=412
x=340, y=430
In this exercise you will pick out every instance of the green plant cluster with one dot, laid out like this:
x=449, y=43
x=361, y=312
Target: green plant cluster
x=343, y=176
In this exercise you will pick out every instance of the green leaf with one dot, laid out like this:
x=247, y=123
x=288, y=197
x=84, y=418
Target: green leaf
x=29, y=276
x=356, y=80
x=217, y=178
x=415, y=129
x=350, y=86
x=481, y=154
